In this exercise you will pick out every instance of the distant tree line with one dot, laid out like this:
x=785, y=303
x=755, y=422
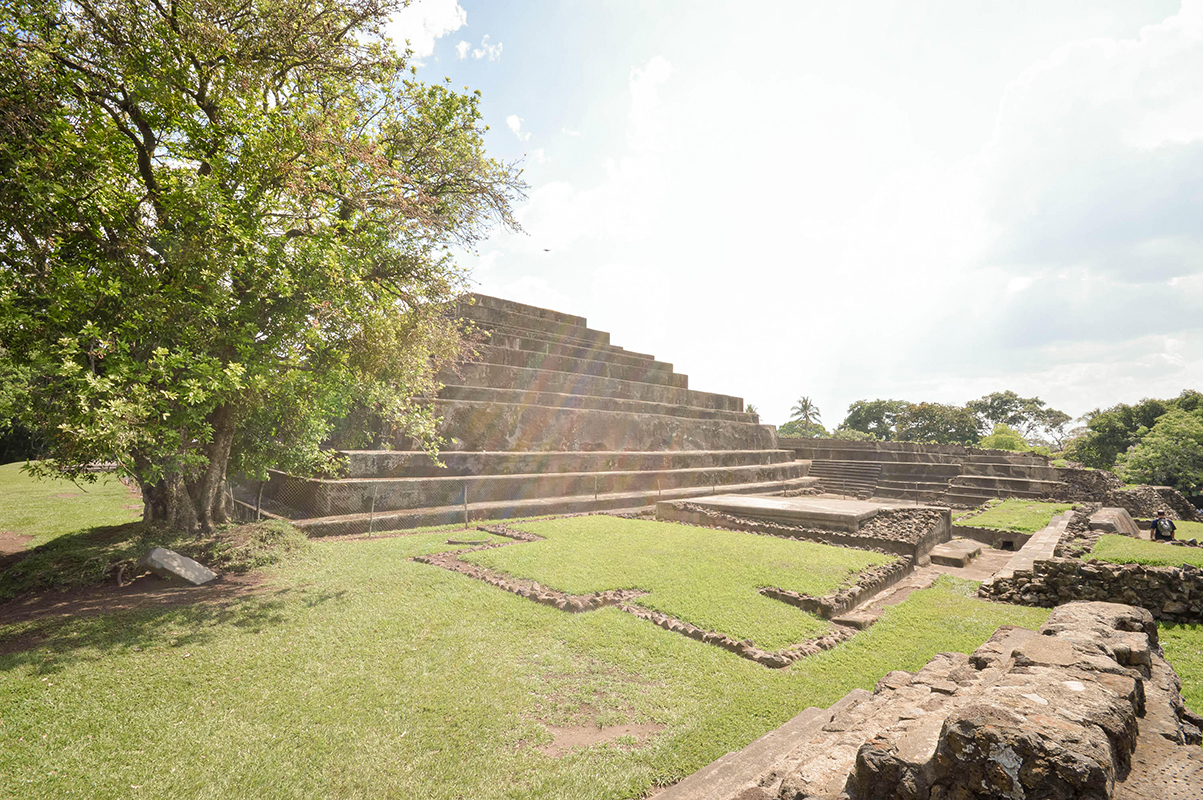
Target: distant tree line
x=1158, y=442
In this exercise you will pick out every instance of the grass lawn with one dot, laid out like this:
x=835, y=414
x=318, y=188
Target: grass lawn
x=45, y=509
x=1126, y=550
x=1024, y=516
x=1183, y=646
x=707, y=577
x=361, y=674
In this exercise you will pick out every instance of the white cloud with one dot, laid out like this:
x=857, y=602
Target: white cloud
x=539, y=156
x=461, y=50
x=569, y=132
x=515, y=124
x=422, y=22
x=486, y=50
x=645, y=131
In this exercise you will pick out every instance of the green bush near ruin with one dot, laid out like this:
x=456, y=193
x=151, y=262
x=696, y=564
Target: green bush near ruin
x=705, y=577
x=1116, y=549
x=1023, y=516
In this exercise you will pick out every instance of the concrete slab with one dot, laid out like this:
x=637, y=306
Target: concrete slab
x=1114, y=520
x=821, y=512
x=170, y=564
x=956, y=553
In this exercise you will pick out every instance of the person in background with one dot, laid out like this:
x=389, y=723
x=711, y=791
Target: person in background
x=1163, y=527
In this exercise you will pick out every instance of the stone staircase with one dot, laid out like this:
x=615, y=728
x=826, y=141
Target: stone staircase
x=921, y=473
x=552, y=418
x=854, y=478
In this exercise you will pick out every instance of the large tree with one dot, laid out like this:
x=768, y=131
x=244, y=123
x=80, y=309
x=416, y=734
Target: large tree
x=937, y=423
x=222, y=222
x=1029, y=416
x=1170, y=454
x=874, y=417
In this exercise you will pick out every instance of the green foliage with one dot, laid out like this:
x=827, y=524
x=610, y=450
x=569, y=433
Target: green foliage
x=223, y=224
x=1004, y=438
x=1170, y=454
x=706, y=577
x=853, y=435
x=936, y=423
x=411, y=682
x=1127, y=550
x=1028, y=416
x=1024, y=516
x=1113, y=431
x=874, y=417
x=801, y=429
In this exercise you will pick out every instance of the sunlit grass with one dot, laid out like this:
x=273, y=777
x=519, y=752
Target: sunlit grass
x=1023, y=516
x=45, y=509
x=1127, y=550
x=359, y=673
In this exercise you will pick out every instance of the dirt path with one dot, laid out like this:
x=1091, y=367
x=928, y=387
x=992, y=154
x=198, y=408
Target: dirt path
x=148, y=591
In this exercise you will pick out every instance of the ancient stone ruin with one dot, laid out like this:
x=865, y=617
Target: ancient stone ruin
x=552, y=418
x=1084, y=708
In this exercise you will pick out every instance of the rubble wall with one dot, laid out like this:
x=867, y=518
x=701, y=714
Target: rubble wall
x=1172, y=594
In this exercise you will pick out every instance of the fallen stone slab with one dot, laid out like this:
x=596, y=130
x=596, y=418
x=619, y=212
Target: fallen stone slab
x=170, y=564
x=956, y=553
x=1114, y=520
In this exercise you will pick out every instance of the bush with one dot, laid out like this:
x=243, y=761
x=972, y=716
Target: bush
x=1004, y=437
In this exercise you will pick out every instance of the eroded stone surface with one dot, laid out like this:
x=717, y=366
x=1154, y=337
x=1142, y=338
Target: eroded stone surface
x=1054, y=714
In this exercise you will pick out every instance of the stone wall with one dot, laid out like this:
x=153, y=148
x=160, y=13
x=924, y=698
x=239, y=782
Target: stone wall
x=1142, y=502
x=1085, y=709
x=997, y=538
x=1173, y=594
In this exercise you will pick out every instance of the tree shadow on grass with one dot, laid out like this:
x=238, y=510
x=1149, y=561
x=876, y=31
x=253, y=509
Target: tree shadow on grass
x=51, y=644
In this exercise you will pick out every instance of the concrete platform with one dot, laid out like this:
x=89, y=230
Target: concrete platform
x=956, y=553
x=819, y=512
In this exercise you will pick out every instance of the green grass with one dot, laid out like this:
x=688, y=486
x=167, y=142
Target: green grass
x=360, y=674
x=45, y=509
x=1126, y=550
x=706, y=577
x=1183, y=646
x=1024, y=516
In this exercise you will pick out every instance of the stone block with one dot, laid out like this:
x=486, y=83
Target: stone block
x=170, y=564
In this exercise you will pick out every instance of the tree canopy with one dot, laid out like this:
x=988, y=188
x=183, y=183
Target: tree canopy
x=1170, y=454
x=223, y=222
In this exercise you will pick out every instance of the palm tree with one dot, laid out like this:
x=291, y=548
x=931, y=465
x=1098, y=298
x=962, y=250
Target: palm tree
x=806, y=411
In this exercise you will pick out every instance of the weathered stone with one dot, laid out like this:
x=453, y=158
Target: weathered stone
x=170, y=564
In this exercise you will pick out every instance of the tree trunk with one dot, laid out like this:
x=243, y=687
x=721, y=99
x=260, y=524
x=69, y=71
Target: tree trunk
x=198, y=504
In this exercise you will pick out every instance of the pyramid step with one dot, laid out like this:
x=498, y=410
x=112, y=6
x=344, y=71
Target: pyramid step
x=348, y=524
x=513, y=307
x=558, y=330
x=483, y=394
x=646, y=372
x=533, y=344
x=503, y=377
x=417, y=464
x=325, y=497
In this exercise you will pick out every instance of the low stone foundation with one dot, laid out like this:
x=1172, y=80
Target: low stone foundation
x=1173, y=594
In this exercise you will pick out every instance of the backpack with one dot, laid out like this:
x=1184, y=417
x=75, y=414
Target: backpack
x=1165, y=527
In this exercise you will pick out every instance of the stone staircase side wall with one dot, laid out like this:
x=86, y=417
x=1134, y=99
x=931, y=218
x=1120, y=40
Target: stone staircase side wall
x=1171, y=594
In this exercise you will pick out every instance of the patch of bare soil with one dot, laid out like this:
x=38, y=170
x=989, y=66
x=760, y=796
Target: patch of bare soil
x=566, y=739
x=148, y=591
x=12, y=543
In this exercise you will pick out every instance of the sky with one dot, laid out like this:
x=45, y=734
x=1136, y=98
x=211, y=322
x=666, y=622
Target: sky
x=924, y=201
